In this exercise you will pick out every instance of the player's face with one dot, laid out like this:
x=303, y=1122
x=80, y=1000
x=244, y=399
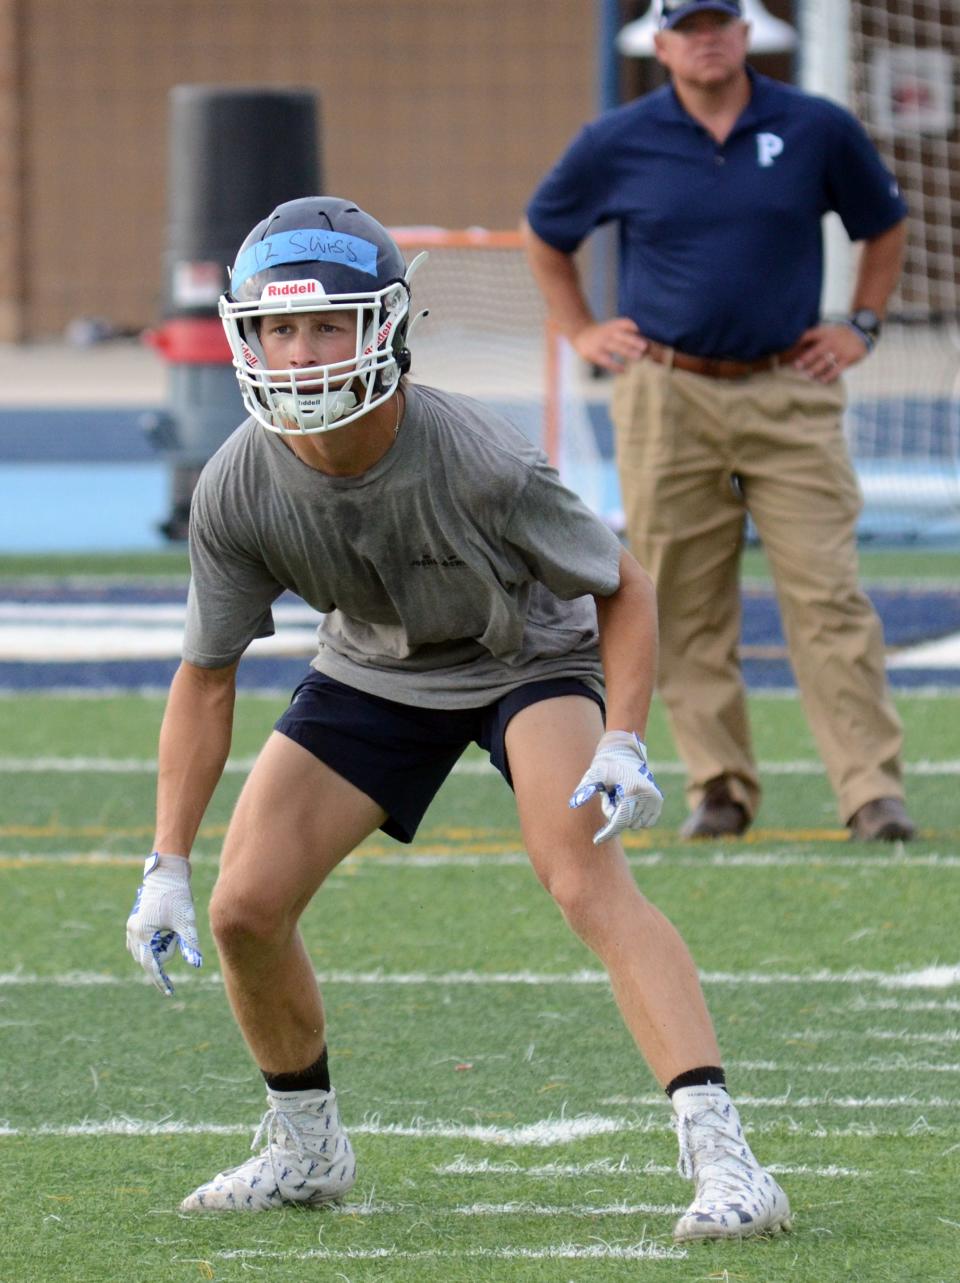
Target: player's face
x=298, y=340
x=706, y=50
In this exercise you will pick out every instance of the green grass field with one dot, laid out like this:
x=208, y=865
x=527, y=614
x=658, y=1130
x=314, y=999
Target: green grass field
x=504, y=1125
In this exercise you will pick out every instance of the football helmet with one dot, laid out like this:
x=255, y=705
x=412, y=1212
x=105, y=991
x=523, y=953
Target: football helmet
x=319, y=254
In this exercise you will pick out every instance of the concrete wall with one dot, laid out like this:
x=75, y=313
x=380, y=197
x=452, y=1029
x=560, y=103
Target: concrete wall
x=433, y=111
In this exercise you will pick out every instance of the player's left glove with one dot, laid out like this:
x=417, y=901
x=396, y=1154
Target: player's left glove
x=620, y=775
x=162, y=918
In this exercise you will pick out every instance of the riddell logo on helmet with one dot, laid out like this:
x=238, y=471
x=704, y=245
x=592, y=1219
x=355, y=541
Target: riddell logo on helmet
x=382, y=335
x=288, y=289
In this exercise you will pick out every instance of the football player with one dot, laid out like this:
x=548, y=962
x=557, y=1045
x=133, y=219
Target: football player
x=466, y=597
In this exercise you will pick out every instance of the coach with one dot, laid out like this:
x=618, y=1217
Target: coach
x=728, y=398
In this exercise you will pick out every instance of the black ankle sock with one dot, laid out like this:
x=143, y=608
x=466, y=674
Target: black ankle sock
x=705, y=1076
x=315, y=1077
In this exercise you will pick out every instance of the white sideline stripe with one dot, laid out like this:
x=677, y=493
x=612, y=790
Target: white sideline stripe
x=642, y=1251
x=96, y=612
x=242, y=765
x=39, y=644
x=933, y=977
x=132, y=630
x=38, y=632
x=83, y=694
x=943, y=652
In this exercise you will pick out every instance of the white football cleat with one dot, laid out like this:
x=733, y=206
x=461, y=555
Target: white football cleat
x=735, y=1197
x=308, y=1160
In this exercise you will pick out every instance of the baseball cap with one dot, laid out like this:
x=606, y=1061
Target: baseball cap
x=670, y=12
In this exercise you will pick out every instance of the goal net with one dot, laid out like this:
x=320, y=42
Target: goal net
x=894, y=66
x=486, y=335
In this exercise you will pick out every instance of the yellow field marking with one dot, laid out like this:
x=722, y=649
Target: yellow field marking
x=469, y=840
x=455, y=840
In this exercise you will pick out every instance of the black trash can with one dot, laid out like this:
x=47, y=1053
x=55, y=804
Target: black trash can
x=234, y=154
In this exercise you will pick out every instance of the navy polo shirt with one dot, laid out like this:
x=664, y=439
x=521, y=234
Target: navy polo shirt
x=721, y=248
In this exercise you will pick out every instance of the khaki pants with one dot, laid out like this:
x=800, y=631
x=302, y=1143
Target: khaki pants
x=681, y=440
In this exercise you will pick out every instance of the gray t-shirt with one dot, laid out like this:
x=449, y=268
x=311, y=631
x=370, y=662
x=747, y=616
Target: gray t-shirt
x=451, y=572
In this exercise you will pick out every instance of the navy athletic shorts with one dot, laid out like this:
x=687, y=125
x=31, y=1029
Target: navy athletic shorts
x=400, y=754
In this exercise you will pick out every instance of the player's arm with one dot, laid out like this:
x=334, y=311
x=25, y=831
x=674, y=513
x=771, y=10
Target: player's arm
x=627, y=624
x=607, y=344
x=194, y=744
x=619, y=774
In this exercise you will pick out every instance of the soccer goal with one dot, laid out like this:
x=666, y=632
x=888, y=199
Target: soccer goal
x=487, y=336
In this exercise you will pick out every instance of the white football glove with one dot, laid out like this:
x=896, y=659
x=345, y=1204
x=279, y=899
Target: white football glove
x=620, y=775
x=162, y=918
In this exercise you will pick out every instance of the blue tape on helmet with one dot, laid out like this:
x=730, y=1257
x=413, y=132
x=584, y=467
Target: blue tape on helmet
x=305, y=245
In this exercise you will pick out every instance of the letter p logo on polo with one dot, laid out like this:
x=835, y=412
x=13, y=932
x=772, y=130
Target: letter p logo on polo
x=769, y=147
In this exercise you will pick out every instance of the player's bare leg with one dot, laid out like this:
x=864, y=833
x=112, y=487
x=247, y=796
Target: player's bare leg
x=294, y=822
x=652, y=973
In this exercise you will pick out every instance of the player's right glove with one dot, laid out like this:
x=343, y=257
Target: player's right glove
x=162, y=918
x=620, y=775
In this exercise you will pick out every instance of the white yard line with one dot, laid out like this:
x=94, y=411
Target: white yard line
x=622, y=1167
x=643, y=1251
x=947, y=1037
x=897, y=1004
x=522, y=1208
x=932, y=977
x=787, y=1101
x=548, y=1132
x=441, y=858
x=148, y=765
x=871, y=1064
x=517, y=1208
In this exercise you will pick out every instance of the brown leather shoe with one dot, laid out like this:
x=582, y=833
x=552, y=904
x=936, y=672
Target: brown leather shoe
x=717, y=816
x=883, y=820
